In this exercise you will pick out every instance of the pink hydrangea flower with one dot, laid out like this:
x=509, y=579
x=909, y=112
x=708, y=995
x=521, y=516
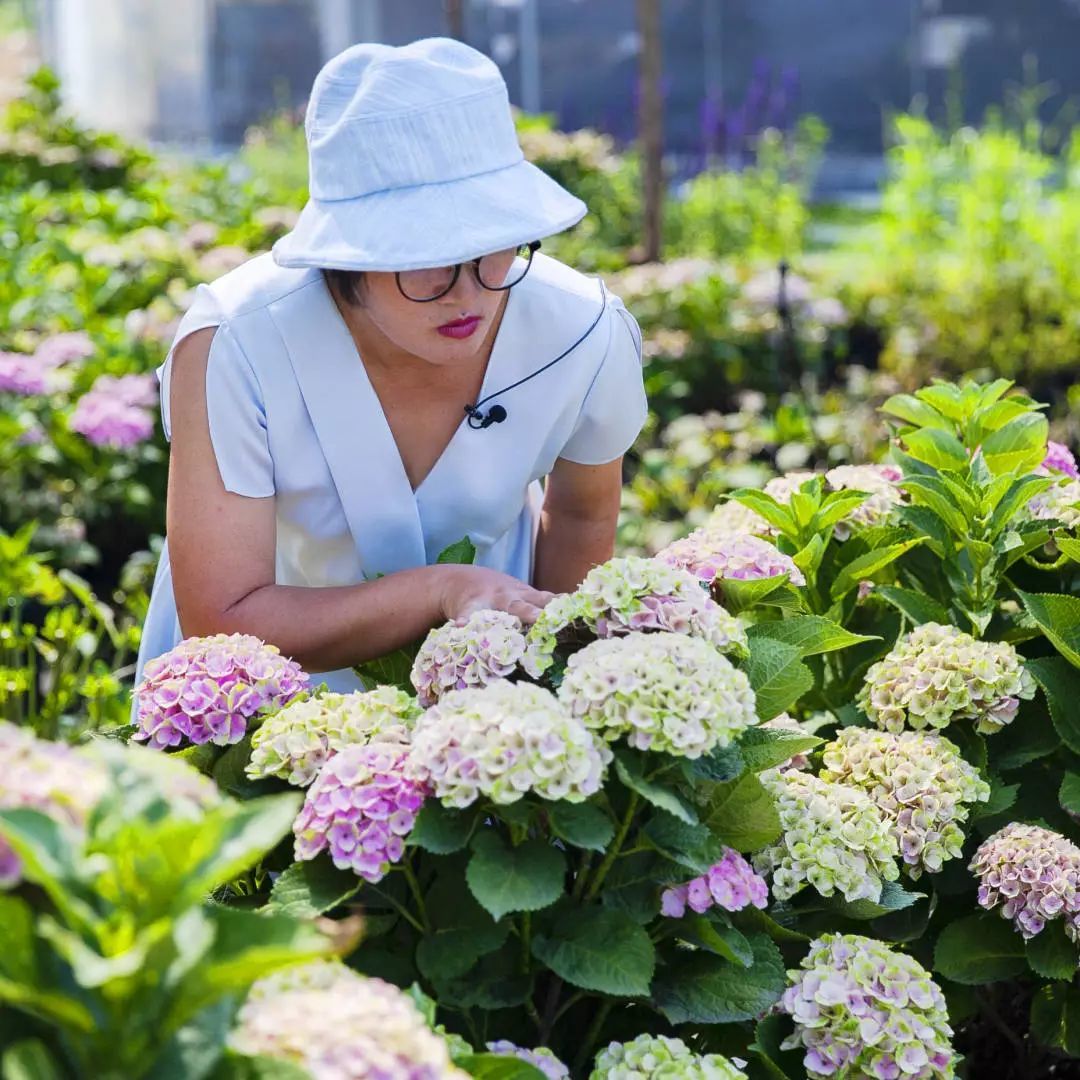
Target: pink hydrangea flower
x=1033, y=874
x=862, y=1010
x=208, y=688
x=487, y=647
x=730, y=884
x=541, y=1058
x=115, y=412
x=738, y=558
x=361, y=807
x=1059, y=459
x=22, y=374
x=67, y=348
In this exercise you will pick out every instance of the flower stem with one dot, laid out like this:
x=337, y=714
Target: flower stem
x=418, y=896
x=593, y=1034
x=616, y=846
x=400, y=909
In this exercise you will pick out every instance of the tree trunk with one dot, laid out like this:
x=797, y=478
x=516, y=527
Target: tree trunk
x=455, y=18
x=651, y=125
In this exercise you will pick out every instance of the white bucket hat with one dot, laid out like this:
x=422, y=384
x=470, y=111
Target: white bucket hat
x=414, y=162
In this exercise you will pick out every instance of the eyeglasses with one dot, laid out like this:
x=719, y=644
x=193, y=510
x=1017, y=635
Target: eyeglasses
x=496, y=272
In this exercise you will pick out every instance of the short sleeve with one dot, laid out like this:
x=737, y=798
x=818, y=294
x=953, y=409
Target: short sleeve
x=236, y=413
x=615, y=407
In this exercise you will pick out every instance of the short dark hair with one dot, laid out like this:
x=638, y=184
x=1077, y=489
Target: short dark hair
x=349, y=284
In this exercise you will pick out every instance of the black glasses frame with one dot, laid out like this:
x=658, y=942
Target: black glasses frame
x=533, y=246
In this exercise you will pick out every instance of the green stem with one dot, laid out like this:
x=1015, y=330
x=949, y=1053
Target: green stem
x=592, y=1034
x=568, y=1004
x=418, y=896
x=582, y=876
x=526, y=941
x=400, y=909
x=616, y=845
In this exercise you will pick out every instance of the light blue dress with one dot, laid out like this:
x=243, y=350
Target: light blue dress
x=293, y=416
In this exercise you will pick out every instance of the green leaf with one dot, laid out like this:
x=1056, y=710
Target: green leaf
x=1069, y=793
x=1019, y=493
x=704, y=989
x=631, y=771
x=916, y=607
x=716, y=937
x=937, y=448
x=1068, y=547
x=947, y=398
x=737, y=596
x=450, y=953
x=17, y=958
x=865, y=566
x=691, y=846
x=920, y=413
x=1017, y=446
x=777, y=675
x=196, y=1048
x=463, y=553
x=1060, y=681
x=743, y=814
x=523, y=878
x=440, y=830
x=893, y=898
x=1055, y=1018
x=765, y=748
x=29, y=1059
x=235, y=1066
x=1059, y=617
x=599, y=949
x=979, y=949
x=229, y=771
x=584, y=825
x=308, y=889
x=812, y=635
x=393, y=669
x=779, y=1064
x=931, y=492
x=498, y=1067
x=1051, y=954
x=1002, y=797
x=777, y=515
x=720, y=764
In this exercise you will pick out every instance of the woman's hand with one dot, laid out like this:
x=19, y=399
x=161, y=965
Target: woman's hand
x=468, y=589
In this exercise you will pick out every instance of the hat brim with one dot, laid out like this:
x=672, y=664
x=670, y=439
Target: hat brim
x=432, y=224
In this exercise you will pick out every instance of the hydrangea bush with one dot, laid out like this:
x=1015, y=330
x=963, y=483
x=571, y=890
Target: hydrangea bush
x=713, y=838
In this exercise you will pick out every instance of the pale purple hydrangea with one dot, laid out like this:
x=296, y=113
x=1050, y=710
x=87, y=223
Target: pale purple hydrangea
x=487, y=647
x=660, y=1057
x=541, y=1058
x=66, y=348
x=880, y=482
x=1058, y=503
x=1059, y=459
x=54, y=778
x=781, y=488
x=938, y=674
x=863, y=1010
x=27, y=376
x=738, y=558
x=631, y=594
x=730, y=884
x=663, y=692
x=502, y=741
x=1033, y=874
x=360, y=808
x=207, y=689
x=834, y=839
x=115, y=412
x=338, y=1025
x=919, y=782
x=297, y=741
x=731, y=518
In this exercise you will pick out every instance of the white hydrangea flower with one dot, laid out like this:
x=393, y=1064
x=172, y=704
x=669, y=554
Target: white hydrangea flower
x=628, y=594
x=919, y=782
x=296, y=742
x=834, y=839
x=663, y=692
x=938, y=674
x=503, y=740
x=660, y=1057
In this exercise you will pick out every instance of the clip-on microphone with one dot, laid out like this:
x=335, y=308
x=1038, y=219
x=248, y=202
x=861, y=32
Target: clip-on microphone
x=478, y=420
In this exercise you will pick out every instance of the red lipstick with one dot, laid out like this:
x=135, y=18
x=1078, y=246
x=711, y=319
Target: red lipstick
x=460, y=328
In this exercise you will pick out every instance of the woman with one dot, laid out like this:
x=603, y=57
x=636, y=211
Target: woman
x=399, y=373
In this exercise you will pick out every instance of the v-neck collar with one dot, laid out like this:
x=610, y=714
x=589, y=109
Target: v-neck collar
x=379, y=502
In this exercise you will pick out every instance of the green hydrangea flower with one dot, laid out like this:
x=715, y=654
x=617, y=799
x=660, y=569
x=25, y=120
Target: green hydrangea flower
x=659, y=1057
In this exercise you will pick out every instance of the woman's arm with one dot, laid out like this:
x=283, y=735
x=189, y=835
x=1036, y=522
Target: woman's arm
x=577, y=523
x=222, y=545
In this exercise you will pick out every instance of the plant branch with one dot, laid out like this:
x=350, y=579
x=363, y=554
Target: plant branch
x=616, y=845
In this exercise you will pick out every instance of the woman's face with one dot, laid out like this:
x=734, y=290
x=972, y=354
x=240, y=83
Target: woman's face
x=446, y=331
